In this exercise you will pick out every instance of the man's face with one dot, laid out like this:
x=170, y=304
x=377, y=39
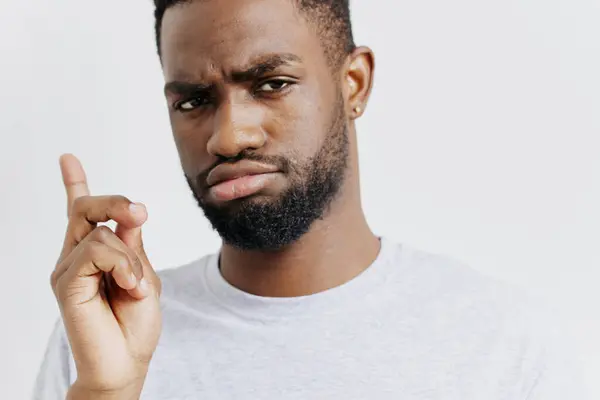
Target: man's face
x=257, y=115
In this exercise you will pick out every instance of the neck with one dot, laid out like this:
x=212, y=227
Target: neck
x=336, y=249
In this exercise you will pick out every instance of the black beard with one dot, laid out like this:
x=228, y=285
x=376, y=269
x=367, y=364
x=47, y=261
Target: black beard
x=270, y=226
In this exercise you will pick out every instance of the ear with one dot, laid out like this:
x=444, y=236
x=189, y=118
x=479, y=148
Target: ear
x=358, y=80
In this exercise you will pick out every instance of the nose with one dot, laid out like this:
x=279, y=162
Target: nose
x=237, y=127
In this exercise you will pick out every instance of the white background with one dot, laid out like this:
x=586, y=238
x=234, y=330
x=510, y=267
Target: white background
x=481, y=141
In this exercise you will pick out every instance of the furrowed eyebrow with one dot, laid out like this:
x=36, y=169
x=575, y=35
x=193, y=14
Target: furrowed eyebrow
x=260, y=67
x=186, y=88
x=265, y=65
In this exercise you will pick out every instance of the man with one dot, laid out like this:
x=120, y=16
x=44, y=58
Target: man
x=303, y=300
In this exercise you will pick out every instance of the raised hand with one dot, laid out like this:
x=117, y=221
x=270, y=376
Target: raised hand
x=107, y=290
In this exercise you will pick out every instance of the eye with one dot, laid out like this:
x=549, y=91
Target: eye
x=274, y=85
x=191, y=104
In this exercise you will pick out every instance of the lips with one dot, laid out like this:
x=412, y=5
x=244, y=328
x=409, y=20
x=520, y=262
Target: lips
x=232, y=181
x=226, y=172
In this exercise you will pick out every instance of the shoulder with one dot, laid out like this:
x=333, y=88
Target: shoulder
x=477, y=311
x=446, y=284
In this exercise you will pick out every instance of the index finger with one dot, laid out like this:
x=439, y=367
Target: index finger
x=74, y=179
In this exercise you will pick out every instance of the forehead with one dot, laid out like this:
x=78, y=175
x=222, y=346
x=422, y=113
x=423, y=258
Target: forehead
x=220, y=35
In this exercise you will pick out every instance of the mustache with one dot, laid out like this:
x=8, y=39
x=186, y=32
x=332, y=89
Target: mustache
x=282, y=163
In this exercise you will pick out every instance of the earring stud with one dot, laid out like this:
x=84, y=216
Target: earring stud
x=357, y=109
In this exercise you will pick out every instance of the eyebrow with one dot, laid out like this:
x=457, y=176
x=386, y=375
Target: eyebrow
x=260, y=66
x=186, y=89
x=265, y=65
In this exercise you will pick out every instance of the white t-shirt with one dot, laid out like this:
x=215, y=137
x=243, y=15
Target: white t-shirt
x=413, y=326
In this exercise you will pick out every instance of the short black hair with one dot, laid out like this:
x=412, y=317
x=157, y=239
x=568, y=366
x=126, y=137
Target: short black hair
x=331, y=18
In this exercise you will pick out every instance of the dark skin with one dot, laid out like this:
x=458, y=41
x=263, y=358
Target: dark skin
x=104, y=283
x=239, y=78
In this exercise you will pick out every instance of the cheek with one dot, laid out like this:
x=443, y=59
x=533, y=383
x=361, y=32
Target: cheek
x=191, y=140
x=299, y=123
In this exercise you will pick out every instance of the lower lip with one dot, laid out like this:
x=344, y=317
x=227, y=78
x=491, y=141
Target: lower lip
x=241, y=187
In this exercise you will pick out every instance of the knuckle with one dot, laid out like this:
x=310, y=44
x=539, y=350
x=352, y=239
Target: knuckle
x=79, y=204
x=92, y=250
x=102, y=232
x=54, y=279
x=59, y=288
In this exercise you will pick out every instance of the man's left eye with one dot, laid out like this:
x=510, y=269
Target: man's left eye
x=273, y=86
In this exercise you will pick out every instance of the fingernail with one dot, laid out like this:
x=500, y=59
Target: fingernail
x=132, y=279
x=144, y=285
x=136, y=208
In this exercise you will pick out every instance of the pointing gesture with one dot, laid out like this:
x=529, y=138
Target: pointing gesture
x=74, y=179
x=107, y=290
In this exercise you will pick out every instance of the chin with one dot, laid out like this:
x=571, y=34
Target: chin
x=256, y=200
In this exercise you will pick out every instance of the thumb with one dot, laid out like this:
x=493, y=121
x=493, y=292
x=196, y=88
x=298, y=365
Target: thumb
x=132, y=235
x=132, y=238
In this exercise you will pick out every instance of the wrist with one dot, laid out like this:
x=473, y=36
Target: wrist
x=79, y=391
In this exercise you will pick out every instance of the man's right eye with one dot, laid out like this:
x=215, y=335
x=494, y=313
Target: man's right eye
x=191, y=104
